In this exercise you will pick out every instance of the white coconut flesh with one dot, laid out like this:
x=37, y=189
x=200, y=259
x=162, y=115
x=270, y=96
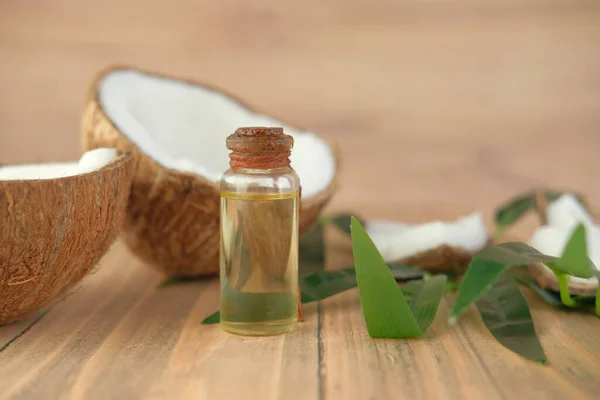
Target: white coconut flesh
x=183, y=127
x=396, y=241
x=89, y=162
x=563, y=215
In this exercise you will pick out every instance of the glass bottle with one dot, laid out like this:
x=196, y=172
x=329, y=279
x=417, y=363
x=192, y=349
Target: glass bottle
x=259, y=234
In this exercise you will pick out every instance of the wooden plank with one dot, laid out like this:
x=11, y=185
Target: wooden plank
x=121, y=334
x=460, y=362
x=463, y=362
x=12, y=332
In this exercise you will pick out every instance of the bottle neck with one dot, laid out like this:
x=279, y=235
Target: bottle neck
x=238, y=160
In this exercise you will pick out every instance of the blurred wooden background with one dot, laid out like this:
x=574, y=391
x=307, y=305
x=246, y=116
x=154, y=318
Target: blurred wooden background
x=440, y=106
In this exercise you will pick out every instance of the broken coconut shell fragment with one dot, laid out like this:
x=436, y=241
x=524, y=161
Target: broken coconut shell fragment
x=437, y=246
x=559, y=219
x=58, y=220
x=176, y=129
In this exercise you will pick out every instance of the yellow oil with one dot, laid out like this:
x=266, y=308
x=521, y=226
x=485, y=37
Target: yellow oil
x=259, y=263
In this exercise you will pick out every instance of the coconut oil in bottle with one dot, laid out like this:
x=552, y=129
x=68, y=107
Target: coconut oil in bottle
x=259, y=234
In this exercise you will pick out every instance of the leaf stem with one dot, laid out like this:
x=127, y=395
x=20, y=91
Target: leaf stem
x=565, y=296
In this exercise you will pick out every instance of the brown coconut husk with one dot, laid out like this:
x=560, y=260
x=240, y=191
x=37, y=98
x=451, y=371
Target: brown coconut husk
x=443, y=259
x=172, y=221
x=54, y=231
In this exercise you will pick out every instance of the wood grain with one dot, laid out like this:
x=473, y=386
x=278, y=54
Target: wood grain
x=441, y=107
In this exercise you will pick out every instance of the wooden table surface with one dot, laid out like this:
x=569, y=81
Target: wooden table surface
x=441, y=107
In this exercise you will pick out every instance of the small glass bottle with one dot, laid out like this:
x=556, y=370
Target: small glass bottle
x=259, y=234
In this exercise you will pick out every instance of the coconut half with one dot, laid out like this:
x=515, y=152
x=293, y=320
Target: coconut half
x=563, y=215
x=58, y=220
x=437, y=246
x=176, y=129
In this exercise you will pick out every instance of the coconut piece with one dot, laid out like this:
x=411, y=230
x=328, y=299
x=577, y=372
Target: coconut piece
x=567, y=212
x=437, y=246
x=90, y=161
x=176, y=129
x=58, y=220
x=552, y=239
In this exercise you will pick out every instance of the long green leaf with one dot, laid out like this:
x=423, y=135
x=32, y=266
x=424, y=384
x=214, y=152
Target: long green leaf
x=518, y=206
x=510, y=213
x=386, y=311
x=213, y=318
x=320, y=285
x=487, y=266
x=480, y=276
x=583, y=303
x=177, y=279
x=505, y=313
x=514, y=253
x=405, y=272
x=244, y=306
x=425, y=302
x=548, y=296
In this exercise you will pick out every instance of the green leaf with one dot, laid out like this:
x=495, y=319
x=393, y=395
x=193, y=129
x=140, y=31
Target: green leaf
x=241, y=306
x=487, y=266
x=553, y=298
x=505, y=313
x=480, y=276
x=175, y=279
x=514, y=253
x=410, y=289
x=518, y=206
x=574, y=259
x=213, y=318
x=510, y=213
x=424, y=303
x=405, y=272
x=386, y=311
x=311, y=250
x=321, y=285
x=548, y=296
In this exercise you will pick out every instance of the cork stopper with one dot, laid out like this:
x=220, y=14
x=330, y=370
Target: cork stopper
x=260, y=140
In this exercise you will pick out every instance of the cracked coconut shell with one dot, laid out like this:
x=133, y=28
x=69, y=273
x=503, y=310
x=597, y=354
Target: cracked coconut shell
x=435, y=246
x=54, y=231
x=172, y=220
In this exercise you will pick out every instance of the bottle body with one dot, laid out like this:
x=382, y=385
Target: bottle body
x=259, y=251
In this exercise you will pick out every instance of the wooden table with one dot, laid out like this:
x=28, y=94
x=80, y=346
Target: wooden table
x=452, y=105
